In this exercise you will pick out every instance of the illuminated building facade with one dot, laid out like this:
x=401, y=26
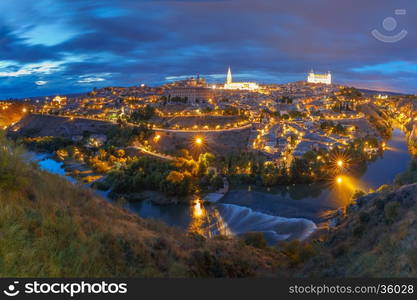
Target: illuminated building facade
x=247, y=86
x=319, y=78
x=190, y=95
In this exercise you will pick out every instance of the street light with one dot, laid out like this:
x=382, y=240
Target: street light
x=157, y=138
x=340, y=163
x=198, y=141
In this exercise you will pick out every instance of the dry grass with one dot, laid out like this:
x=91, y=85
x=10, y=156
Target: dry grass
x=51, y=228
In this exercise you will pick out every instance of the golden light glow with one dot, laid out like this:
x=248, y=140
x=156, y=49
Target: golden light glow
x=24, y=110
x=198, y=210
x=198, y=141
x=340, y=163
x=339, y=180
x=157, y=138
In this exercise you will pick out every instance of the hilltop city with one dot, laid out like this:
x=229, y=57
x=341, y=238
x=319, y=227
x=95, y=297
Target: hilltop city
x=281, y=121
x=304, y=131
x=211, y=145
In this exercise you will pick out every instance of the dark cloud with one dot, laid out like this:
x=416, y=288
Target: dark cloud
x=146, y=41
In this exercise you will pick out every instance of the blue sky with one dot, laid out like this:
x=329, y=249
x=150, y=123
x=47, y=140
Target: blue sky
x=66, y=46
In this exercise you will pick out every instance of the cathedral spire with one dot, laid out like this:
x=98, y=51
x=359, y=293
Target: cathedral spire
x=229, y=76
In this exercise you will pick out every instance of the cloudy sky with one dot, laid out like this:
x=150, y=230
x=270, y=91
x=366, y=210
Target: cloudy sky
x=67, y=46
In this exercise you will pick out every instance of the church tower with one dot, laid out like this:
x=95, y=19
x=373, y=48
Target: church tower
x=229, y=77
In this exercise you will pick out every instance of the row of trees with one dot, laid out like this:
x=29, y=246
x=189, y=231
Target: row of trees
x=332, y=127
x=142, y=115
x=182, y=177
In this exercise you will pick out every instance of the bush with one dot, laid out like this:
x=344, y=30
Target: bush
x=255, y=239
x=364, y=217
x=100, y=185
x=391, y=210
x=298, y=252
x=380, y=204
x=358, y=230
x=47, y=143
x=384, y=187
x=358, y=194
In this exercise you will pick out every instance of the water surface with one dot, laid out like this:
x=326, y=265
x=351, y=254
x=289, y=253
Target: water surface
x=290, y=212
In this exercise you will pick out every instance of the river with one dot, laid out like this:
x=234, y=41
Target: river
x=287, y=212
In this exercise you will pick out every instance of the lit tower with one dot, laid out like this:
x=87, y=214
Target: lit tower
x=229, y=79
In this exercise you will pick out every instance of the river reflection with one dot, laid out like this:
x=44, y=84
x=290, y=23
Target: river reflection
x=317, y=202
x=286, y=212
x=200, y=218
x=207, y=221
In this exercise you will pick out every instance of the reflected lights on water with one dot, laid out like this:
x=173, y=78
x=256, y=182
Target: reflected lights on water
x=207, y=222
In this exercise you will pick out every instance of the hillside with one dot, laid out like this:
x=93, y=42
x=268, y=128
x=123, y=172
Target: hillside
x=10, y=113
x=51, y=228
x=377, y=238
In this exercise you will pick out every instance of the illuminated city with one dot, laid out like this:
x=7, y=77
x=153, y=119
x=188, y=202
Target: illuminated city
x=164, y=139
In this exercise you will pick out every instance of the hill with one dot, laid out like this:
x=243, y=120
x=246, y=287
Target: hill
x=51, y=228
x=376, y=238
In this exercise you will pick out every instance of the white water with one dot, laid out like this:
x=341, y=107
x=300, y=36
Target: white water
x=241, y=219
x=221, y=218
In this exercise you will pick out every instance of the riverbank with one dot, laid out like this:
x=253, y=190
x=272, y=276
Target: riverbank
x=207, y=220
x=63, y=230
x=285, y=212
x=53, y=228
x=320, y=202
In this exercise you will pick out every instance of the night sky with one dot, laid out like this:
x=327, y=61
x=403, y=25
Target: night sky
x=66, y=46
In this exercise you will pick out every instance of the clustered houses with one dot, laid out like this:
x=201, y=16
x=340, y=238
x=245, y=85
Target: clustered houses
x=288, y=120
x=107, y=103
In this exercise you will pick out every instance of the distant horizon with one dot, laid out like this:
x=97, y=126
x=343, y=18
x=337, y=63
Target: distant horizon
x=156, y=84
x=58, y=47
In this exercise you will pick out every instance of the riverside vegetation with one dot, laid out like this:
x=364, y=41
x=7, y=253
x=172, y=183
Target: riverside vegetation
x=132, y=177
x=50, y=227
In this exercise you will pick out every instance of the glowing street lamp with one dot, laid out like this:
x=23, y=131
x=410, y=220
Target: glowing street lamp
x=198, y=141
x=157, y=138
x=340, y=163
x=339, y=180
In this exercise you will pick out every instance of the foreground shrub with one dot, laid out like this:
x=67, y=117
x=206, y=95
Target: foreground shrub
x=391, y=210
x=254, y=239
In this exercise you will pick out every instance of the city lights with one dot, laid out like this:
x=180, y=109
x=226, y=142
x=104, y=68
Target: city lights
x=198, y=210
x=198, y=141
x=157, y=138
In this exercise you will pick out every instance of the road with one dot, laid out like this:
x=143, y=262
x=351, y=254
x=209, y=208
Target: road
x=157, y=129
x=154, y=154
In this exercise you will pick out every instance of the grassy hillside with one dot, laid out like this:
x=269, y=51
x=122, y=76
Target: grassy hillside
x=51, y=228
x=378, y=238
x=48, y=227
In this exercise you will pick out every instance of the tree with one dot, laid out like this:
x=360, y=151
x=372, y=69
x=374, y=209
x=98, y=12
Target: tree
x=175, y=177
x=142, y=115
